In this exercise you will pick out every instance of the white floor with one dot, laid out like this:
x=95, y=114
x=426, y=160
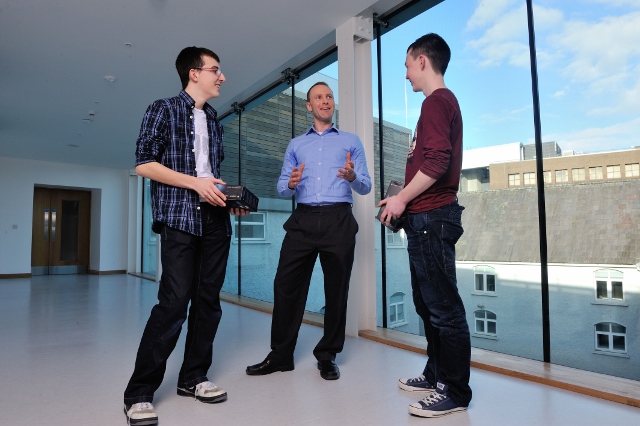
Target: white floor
x=68, y=343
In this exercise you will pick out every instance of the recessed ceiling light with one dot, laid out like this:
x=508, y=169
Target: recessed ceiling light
x=92, y=112
x=110, y=78
x=87, y=120
x=128, y=44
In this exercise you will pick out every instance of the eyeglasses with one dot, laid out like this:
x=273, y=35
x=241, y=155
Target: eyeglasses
x=216, y=70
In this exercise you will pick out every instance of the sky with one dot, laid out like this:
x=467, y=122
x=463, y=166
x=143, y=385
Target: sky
x=588, y=56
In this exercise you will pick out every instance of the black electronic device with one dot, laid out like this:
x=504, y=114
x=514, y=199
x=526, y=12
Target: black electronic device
x=394, y=188
x=238, y=196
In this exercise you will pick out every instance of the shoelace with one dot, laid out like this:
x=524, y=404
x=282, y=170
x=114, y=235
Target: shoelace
x=434, y=398
x=205, y=386
x=141, y=406
x=420, y=378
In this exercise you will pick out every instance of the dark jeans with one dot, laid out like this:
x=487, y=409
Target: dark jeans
x=432, y=236
x=327, y=231
x=193, y=270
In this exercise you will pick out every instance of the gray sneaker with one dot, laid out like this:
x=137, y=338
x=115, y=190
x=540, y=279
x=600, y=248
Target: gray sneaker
x=204, y=392
x=417, y=384
x=141, y=414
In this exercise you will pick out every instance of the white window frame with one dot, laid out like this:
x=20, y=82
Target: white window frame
x=395, y=239
x=546, y=176
x=254, y=223
x=595, y=173
x=529, y=178
x=632, y=170
x=485, y=320
x=514, y=179
x=610, y=334
x=484, y=272
x=611, y=279
x=397, y=309
x=578, y=175
x=613, y=172
x=562, y=176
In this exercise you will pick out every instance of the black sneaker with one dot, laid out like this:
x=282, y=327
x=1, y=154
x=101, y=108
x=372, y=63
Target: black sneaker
x=204, y=392
x=141, y=414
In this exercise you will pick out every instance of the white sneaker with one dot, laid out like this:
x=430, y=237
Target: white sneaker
x=204, y=392
x=141, y=414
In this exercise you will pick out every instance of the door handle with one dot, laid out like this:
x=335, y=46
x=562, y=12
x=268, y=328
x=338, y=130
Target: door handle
x=53, y=224
x=46, y=224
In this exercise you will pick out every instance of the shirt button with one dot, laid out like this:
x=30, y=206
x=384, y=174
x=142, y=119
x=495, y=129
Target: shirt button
x=318, y=178
x=193, y=150
x=198, y=208
x=191, y=132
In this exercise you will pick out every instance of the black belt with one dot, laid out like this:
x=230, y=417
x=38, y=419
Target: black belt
x=323, y=207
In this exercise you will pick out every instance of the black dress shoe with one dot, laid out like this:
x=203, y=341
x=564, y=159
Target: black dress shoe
x=268, y=366
x=328, y=370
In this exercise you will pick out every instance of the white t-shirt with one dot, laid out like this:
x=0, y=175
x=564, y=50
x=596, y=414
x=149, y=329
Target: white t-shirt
x=201, y=144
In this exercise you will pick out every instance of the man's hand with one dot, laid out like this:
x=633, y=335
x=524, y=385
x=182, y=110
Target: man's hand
x=394, y=209
x=237, y=211
x=347, y=172
x=295, y=176
x=208, y=190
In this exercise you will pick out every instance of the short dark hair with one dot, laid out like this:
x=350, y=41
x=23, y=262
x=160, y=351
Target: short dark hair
x=190, y=58
x=433, y=47
x=320, y=83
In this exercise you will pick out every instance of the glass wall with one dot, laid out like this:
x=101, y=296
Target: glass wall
x=149, y=238
x=255, y=142
x=588, y=110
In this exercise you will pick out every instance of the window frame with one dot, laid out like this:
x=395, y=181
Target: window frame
x=609, y=280
x=393, y=310
x=234, y=224
x=610, y=334
x=595, y=173
x=529, y=178
x=481, y=270
x=514, y=180
x=632, y=170
x=485, y=321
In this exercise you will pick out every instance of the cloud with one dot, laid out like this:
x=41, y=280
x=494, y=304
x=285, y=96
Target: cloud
x=507, y=38
x=505, y=115
x=487, y=12
x=594, y=139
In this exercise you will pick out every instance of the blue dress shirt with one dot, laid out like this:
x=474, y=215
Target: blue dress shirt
x=323, y=154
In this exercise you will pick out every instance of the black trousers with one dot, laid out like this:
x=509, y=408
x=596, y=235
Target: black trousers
x=312, y=231
x=193, y=271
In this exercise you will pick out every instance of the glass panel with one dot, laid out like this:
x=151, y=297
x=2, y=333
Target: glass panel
x=149, y=238
x=479, y=282
x=69, y=231
x=491, y=315
x=603, y=326
x=392, y=313
x=400, y=312
x=480, y=314
x=397, y=297
x=618, y=343
x=615, y=274
x=602, y=273
x=603, y=341
x=491, y=283
x=601, y=289
x=617, y=328
x=479, y=326
x=616, y=290
x=491, y=327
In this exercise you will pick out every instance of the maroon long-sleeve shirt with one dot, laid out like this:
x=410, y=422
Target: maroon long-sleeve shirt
x=436, y=151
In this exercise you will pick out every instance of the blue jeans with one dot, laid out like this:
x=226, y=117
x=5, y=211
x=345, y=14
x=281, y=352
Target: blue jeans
x=193, y=271
x=432, y=237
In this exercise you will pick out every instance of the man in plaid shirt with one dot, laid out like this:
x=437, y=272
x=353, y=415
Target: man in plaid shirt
x=180, y=149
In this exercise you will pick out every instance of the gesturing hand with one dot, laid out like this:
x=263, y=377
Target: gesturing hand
x=347, y=172
x=295, y=176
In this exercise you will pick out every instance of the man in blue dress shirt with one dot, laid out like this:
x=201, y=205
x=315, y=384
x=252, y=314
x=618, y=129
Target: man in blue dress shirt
x=321, y=168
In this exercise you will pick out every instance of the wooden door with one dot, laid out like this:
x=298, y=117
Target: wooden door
x=60, y=233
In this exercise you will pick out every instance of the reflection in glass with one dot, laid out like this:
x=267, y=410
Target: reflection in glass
x=69, y=231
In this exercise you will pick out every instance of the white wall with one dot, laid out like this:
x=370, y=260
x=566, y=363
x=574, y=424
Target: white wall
x=109, y=215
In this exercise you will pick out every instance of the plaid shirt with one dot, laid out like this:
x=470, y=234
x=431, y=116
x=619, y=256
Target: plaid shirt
x=166, y=137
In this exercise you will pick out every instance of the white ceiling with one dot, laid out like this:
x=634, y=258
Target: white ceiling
x=54, y=55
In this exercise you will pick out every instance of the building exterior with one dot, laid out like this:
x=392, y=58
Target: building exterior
x=578, y=168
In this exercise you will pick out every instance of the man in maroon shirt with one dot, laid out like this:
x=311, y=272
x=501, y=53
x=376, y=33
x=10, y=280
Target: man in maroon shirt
x=433, y=226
